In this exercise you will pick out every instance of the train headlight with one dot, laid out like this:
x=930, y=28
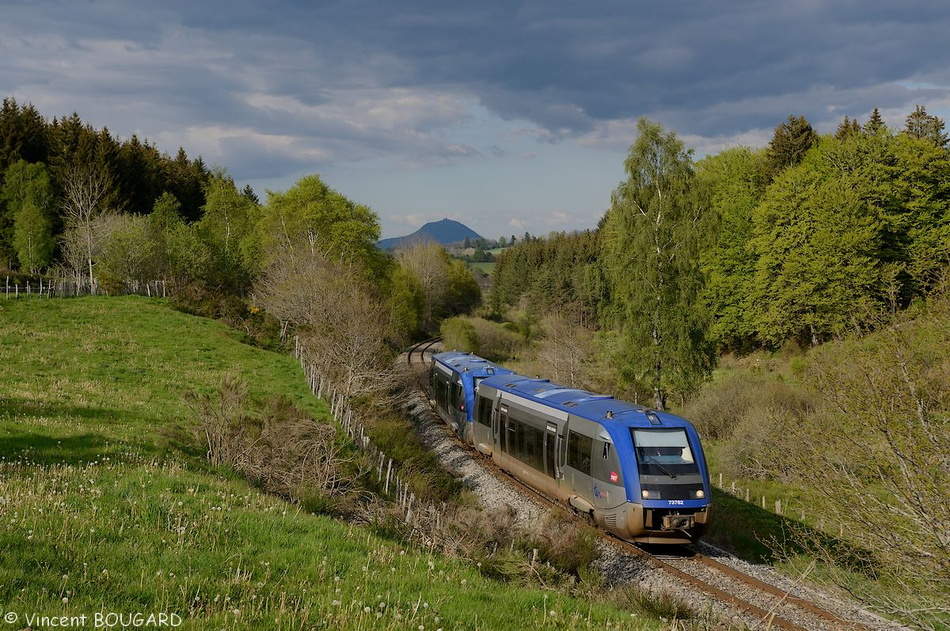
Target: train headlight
x=645, y=494
x=700, y=494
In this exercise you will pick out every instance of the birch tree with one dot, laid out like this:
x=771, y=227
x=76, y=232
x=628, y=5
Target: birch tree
x=652, y=234
x=86, y=214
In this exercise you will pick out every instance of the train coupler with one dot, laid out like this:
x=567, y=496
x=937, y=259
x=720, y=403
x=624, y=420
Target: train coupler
x=678, y=522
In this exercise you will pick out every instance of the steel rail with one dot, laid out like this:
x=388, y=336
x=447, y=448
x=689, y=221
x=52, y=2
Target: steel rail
x=801, y=603
x=415, y=349
x=768, y=617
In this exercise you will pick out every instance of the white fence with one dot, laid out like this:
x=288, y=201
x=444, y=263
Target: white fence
x=67, y=287
x=387, y=471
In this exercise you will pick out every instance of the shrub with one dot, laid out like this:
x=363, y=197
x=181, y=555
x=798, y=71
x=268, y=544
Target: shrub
x=721, y=406
x=276, y=445
x=459, y=334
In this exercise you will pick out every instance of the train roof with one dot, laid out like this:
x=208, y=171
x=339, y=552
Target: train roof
x=466, y=362
x=599, y=408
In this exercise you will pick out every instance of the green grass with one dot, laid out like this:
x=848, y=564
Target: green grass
x=486, y=268
x=107, y=505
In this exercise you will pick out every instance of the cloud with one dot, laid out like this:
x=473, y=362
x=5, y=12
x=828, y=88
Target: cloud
x=277, y=90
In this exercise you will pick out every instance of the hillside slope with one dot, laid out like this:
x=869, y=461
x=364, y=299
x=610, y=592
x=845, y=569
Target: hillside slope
x=443, y=232
x=109, y=506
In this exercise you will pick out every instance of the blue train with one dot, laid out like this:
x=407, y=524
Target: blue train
x=636, y=472
x=454, y=378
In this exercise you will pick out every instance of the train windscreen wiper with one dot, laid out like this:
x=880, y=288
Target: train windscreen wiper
x=654, y=462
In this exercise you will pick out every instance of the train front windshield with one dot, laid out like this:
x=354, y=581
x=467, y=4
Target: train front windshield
x=668, y=468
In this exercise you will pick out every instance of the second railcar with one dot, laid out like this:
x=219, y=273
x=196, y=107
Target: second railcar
x=453, y=379
x=638, y=473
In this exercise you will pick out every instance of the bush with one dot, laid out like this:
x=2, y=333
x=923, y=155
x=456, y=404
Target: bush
x=721, y=406
x=459, y=334
x=488, y=339
x=276, y=445
x=564, y=542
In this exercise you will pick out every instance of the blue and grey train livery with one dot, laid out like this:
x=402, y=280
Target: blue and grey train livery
x=638, y=473
x=454, y=377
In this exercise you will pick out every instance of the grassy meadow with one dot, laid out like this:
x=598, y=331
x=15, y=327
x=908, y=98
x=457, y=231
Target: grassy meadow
x=107, y=504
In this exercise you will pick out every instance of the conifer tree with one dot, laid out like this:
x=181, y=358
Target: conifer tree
x=875, y=124
x=921, y=125
x=848, y=127
x=790, y=143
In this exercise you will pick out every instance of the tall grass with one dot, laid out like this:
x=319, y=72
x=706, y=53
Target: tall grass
x=108, y=504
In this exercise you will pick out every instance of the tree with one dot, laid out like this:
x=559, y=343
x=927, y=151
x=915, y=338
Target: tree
x=882, y=435
x=463, y=293
x=163, y=221
x=818, y=241
x=651, y=244
x=915, y=197
x=566, y=351
x=847, y=127
x=446, y=285
x=426, y=262
x=875, y=124
x=921, y=125
x=226, y=226
x=790, y=143
x=22, y=137
x=29, y=197
x=341, y=320
x=128, y=253
x=735, y=183
x=407, y=303
x=85, y=191
x=312, y=216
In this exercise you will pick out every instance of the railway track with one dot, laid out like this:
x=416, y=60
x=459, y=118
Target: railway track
x=771, y=606
x=765, y=606
x=420, y=349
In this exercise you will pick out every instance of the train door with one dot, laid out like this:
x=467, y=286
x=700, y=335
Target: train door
x=499, y=422
x=457, y=406
x=551, y=449
x=577, y=470
x=502, y=429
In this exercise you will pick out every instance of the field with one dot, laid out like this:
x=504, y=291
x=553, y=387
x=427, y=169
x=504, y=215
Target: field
x=108, y=506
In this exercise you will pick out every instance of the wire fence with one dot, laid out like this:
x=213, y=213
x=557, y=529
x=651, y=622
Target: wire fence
x=387, y=471
x=72, y=287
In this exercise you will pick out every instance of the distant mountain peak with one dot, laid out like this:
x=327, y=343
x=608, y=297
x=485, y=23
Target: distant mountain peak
x=444, y=232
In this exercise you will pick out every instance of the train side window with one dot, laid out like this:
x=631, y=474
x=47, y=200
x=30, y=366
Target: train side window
x=483, y=411
x=579, y=452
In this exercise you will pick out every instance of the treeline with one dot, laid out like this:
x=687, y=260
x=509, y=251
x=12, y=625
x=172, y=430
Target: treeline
x=39, y=157
x=76, y=200
x=801, y=242
x=559, y=274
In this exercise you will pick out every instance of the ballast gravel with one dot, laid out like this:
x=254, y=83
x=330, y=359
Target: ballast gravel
x=617, y=567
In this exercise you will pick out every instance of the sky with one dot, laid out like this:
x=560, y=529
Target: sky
x=510, y=116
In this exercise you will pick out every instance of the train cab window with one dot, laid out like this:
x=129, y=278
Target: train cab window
x=663, y=451
x=579, y=452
